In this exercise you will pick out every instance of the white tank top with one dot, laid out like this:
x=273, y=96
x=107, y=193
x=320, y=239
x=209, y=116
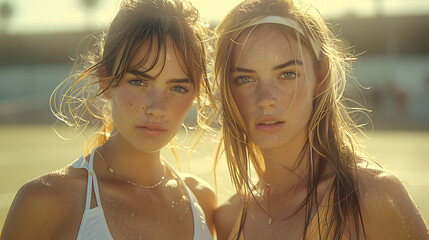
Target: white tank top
x=94, y=225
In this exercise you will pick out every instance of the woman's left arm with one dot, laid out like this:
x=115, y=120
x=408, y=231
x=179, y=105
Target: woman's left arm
x=387, y=209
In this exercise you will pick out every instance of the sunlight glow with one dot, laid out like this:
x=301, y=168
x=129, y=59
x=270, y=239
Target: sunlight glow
x=31, y=17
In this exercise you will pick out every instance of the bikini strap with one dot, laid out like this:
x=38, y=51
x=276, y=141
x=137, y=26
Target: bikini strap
x=92, y=181
x=197, y=214
x=82, y=163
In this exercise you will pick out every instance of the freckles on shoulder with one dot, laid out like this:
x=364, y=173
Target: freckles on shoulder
x=378, y=188
x=45, y=204
x=61, y=187
x=388, y=211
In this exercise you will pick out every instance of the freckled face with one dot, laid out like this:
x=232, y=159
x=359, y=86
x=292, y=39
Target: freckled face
x=148, y=107
x=271, y=87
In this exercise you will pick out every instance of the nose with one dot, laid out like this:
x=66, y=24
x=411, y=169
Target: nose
x=266, y=93
x=154, y=104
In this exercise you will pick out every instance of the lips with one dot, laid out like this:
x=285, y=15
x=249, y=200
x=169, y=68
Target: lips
x=269, y=124
x=151, y=129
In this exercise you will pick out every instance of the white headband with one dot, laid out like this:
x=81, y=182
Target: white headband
x=289, y=23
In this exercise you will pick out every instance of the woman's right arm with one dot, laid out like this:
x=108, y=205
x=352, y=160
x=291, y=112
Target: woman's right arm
x=34, y=212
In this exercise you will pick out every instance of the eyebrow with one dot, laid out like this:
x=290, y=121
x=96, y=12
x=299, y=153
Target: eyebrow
x=179, y=80
x=150, y=78
x=142, y=74
x=286, y=64
x=283, y=65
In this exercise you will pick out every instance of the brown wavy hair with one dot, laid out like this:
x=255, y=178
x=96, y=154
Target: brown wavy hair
x=331, y=129
x=78, y=100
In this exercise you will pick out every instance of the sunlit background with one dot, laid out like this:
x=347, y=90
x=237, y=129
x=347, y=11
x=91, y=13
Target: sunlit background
x=53, y=16
x=38, y=39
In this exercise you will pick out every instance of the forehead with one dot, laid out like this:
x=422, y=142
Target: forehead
x=266, y=43
x=153, y=53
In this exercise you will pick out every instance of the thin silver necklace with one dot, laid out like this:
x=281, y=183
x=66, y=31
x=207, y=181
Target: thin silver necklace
x=266, y=192
x=110, y=170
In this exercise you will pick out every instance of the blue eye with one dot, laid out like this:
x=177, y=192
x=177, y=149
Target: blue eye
x=288, y=75
x=243, y=80
x=137, y=82
x=180, y=89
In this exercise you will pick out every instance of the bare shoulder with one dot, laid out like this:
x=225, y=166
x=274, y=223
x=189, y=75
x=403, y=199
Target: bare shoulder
x=387, y=209
x=226, y=215
x=41, y=205
x=204, y=194
x=377, y=185
x=197, y=185
x=201, y=189
x=373, y=179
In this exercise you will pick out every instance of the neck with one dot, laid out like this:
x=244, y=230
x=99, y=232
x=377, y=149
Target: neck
x=127, y=162
x=287, y=166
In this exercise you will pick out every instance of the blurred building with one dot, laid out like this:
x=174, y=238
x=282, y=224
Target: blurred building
x=393, y=61
x=393, y=64
x=31, y=66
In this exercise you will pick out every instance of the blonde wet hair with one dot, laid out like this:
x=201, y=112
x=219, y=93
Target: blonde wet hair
x=78, y=101
x=331, y=129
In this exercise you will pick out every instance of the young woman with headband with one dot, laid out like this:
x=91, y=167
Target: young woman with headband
x=150, y=71
x=281, y=75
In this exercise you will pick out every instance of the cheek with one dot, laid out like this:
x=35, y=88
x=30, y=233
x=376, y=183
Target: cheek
x=123, y=101
x=295, y=101
x=304, y=92
x=302, y=96
x=242, y=101
x=180, y=108
x=302, y=104
x=287, y=96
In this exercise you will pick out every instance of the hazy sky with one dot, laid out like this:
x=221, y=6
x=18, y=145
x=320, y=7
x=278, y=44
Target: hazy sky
x=30, y=16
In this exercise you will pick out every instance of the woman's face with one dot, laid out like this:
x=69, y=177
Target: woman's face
x=271, y=87
x=148, y=107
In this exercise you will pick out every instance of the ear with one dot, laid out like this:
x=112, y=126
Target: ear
x=321, y=76
x=103, y=82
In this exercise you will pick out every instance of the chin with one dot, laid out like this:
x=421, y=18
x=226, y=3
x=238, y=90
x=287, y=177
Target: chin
x=270, y=147
x=149, y=146
x=272, y=142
